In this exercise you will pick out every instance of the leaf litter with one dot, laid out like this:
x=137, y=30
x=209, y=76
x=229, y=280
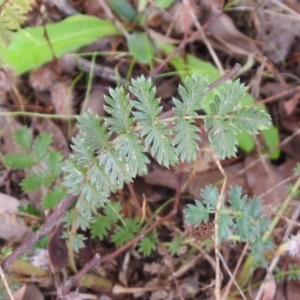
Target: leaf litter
x=236, y=34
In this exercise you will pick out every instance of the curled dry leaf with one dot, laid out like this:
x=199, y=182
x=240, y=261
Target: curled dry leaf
x=229, y=39
x=12, y=227
x=28, y=292
x=277, y=32
x=262, y=177
x=269, y=287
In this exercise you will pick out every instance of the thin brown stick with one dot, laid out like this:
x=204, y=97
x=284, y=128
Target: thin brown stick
x=59, y=211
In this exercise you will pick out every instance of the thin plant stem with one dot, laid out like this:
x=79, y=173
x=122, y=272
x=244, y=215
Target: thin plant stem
x=216, y=238
x=231, y=277
x=6, y=284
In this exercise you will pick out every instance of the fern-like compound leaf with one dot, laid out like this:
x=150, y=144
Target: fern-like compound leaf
x=250, y=119
x=221, y=136
x=74, y=176
x=192, y=96
x=115, y=167
x=210, y=195
x=186, y=139
x=147, y=105
x=225, y=225
x=99, y=178
x=161, y=145
x=119, y=107
x=236, y=199
x=231, y=93
x=94, y=197
x=132, y=152
x=100, y=227
x=148, y=243
x=95, y=134
x=84, y=155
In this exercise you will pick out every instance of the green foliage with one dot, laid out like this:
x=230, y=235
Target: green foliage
x=45, y=164
x=126, y=232
x=30, y=50
x=12, y=15
x=148, y=243
x=109, y=153
x=140, y=47
x=243, y=215
x=101, y=164
x=29, y=209
x=191, y=64
x=175, y=246
x=226, y=117
x=155, y=133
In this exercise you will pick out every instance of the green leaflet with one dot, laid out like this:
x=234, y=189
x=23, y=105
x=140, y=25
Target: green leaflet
x=30, y=49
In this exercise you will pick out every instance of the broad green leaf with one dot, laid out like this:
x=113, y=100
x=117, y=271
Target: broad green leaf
x=123, y=9
x=141, y=47
x=30, y=49
x=191, y=64
x=186, y=140
x=271, y=137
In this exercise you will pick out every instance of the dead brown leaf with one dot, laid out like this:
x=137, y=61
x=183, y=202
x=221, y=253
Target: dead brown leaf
x=12, y=227
x=263, y=177
x=28, y=292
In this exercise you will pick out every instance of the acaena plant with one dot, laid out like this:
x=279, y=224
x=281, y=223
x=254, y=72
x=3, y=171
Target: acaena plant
x=111, y=152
